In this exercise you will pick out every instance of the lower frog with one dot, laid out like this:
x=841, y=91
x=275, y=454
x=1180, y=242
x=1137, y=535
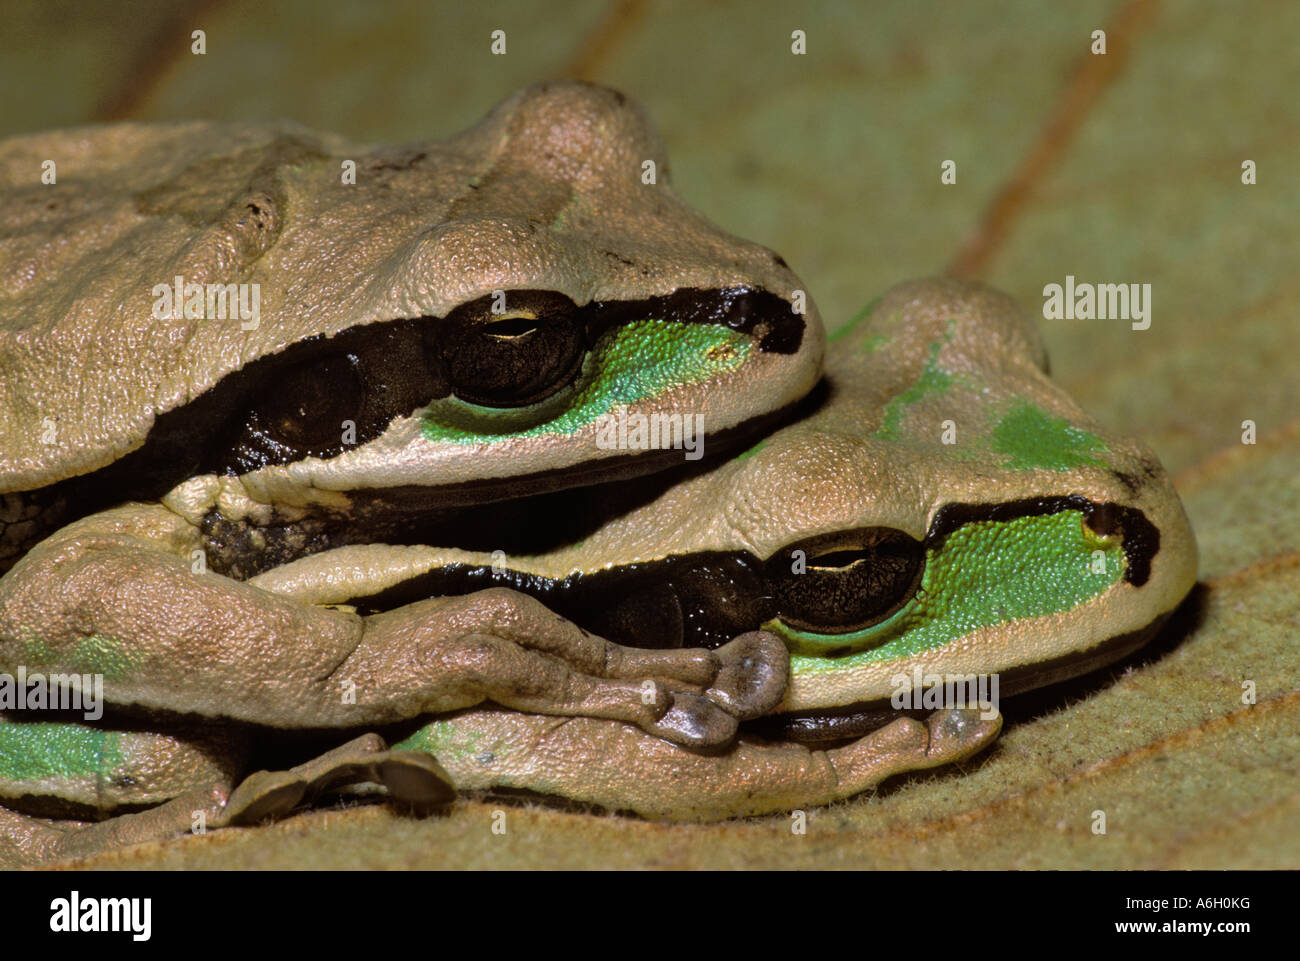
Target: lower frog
x=945, y=512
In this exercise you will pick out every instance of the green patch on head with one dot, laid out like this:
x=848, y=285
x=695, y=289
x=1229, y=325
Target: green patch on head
x=845, y=329
x=1029, y=437
x=49, y=750
x=874, y=342
x=629, y=364
x=984, y=573
x=933, y=380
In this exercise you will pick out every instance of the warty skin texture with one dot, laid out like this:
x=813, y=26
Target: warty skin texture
x=543, y=197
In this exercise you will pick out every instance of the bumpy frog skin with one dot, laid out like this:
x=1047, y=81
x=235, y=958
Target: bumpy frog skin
x=1042, y=546
x=1030, y=543
x=443, y=333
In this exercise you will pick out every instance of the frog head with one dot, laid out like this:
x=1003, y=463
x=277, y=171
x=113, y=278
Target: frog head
x=441, y=323
x=952, y=509
x=941, y=505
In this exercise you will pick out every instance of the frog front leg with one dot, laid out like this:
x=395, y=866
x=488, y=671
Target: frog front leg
x=115, y=594
x=621, y=769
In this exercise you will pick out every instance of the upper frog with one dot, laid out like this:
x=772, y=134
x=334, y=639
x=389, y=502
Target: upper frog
x=437, y=326
x=454, y=321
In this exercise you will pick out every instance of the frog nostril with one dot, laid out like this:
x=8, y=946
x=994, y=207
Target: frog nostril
x=1104, y=520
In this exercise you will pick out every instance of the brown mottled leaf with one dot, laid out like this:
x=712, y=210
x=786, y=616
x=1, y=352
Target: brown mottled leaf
x=1122, y=171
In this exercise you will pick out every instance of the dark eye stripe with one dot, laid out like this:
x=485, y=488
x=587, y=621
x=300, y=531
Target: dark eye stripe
x=707, y=598
x=1141, y=538
x=692, y=600
x=202, y=435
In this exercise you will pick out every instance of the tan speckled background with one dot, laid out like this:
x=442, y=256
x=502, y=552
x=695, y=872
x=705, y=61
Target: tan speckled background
x=1123, y=168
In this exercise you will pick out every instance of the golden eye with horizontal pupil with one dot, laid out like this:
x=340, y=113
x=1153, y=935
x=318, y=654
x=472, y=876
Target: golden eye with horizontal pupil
x=305, y=408
x=845, y=581
x=516, y=358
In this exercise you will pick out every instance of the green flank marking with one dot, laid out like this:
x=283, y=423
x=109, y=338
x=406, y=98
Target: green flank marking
x=42, y=750
x=476, y=758
x=91, y=655
x=846, y=328
x=875, y=342
x=444, y=739
x=933, y=380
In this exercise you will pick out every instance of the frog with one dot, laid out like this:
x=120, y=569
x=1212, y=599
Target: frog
x=436, y=327
x=941, y=509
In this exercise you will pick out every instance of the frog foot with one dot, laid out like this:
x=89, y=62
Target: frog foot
x=751, y=675
x=621, y=768
x=753, y=672
x=502, y=646
x=410, y=776
x=692, y=720
x=957, y=733
x=263, y=796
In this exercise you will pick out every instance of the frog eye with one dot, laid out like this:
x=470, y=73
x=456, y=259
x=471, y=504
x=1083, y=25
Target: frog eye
x=513, y=358
x=846, y=581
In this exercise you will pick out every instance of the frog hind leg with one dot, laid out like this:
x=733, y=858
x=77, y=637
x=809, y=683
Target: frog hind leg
x=70, y=769
x=620, y=768
x=409, y=776
x=30, y=841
